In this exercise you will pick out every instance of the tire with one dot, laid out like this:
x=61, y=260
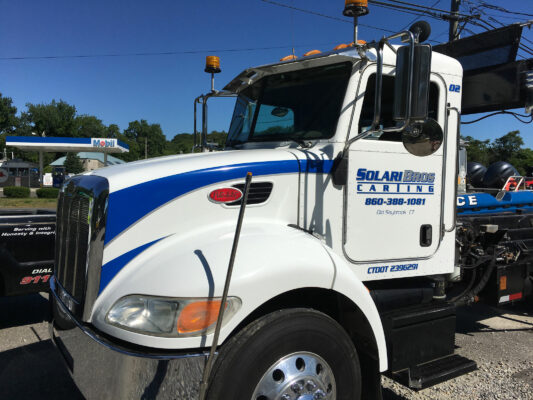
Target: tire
x=297, y=353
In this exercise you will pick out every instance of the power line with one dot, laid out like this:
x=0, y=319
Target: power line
x=395, y=8
x=516, y=115
x=162, y=53
x=503, y=10
x=501, y=16
x=416, y=19
x=275, y=3
x=336, y=18
x=477, y=8
x=439, y=13
x=522, y=46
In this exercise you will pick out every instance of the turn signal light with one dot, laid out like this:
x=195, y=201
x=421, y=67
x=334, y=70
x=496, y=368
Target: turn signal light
x=312, y=52
x=212, y=64
x=198, y=316
x=355, y=8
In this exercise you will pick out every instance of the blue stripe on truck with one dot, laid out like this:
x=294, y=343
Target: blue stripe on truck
x=110, y=269
x=129, y=205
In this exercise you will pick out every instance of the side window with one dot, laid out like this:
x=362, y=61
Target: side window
x=387, y=102
x=274, y=120
x=241, y=122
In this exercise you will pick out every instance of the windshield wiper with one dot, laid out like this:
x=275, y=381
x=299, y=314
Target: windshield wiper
x=302, y=143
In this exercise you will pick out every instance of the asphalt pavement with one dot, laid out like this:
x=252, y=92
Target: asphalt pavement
x=30, y=366
x=499, y=339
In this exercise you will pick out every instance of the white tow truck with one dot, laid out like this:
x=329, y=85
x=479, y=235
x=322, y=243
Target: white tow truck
x=312, y=255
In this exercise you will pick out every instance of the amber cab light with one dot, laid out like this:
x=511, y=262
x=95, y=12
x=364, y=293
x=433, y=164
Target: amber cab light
x=340, y=46
x=225, y=195
x=312, y=52
x=212, y=64
x=290, y=57
x=355, y=8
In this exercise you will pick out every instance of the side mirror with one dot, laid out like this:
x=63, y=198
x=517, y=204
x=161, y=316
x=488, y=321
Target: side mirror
x=411, y=101
x=279, y=112
x=423, y=139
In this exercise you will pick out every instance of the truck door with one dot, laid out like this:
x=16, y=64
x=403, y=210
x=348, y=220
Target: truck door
x=393, y=199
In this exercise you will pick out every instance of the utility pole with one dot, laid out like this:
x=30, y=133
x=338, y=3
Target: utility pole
x=453, y=22
x=145, y=147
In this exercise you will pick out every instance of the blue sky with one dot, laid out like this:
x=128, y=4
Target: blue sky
x=161, y=88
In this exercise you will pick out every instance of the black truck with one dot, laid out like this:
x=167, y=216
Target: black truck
x=27, y=239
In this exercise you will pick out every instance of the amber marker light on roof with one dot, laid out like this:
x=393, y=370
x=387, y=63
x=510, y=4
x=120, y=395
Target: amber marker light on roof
x=290, y=57
x=355, y=8
x=312, y=52
x=212, y=64
x=341, y=46
x=360, y=42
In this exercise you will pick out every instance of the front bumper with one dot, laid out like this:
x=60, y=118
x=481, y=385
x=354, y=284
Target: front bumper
x=104, y=369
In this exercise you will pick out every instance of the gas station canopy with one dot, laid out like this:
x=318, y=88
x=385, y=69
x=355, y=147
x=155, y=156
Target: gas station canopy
x=66, y=144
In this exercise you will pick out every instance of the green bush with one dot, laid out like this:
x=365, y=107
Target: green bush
x=16, y=191
x=47, y=193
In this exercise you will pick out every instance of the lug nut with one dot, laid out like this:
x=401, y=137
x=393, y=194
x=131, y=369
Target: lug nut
x=319, y=394
x=286, y=397
x=297, y=387
x=310, y=385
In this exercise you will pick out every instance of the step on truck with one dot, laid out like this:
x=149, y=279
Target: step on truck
x=322, y=248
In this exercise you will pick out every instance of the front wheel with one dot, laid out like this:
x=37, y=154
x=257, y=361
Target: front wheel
x=295, y=354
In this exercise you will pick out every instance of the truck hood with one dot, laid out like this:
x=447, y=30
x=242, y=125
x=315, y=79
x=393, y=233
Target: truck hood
x=137, y=189
x=128, y=175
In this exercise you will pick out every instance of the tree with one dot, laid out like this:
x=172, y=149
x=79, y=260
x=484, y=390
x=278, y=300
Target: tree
x=217, y=137
x=112, y=131
x=56, y=118
x=73, y=164
x=183, y=142
x=139, y=131
x=180, y=144
x=506, y=147
x=478, y=150
x=8, y=115
x=8, y=119
x=89, y=126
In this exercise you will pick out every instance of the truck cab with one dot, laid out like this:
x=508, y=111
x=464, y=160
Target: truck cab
x=348, y=235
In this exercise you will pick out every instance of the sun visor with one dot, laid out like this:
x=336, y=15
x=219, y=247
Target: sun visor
x=493, y=80
x=487, y=49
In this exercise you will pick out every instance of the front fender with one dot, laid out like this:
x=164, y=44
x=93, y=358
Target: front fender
x=271, y=259
x=347, y=283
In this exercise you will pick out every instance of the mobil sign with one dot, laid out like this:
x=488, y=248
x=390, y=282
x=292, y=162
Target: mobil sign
x=104, y=143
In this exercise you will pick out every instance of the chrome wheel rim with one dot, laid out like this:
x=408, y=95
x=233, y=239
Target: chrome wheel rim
x=297, y=376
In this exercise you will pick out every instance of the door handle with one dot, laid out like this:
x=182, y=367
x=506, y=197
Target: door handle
x=426, y=233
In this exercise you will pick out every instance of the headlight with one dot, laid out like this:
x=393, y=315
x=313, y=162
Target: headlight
x=169, y=317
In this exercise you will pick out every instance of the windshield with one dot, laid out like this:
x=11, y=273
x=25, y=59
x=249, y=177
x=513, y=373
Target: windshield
x=296, y=105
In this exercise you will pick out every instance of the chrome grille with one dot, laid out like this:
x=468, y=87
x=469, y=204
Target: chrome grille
x=80, y=233
x=72, y=240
